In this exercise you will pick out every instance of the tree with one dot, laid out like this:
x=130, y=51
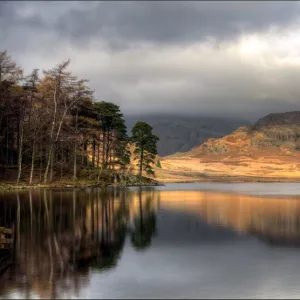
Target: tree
x=158, y=164
x=35, y=117
x=114, y=134
x=59, y=87
x=49, y=121
x=82, y=95
x=10, y=108
x=9, y=71
x=145, y=146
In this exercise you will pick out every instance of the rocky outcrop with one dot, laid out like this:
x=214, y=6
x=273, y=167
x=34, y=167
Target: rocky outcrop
x=275, y=133
x=287, y=118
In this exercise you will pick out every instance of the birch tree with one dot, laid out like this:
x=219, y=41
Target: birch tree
x=59, y=88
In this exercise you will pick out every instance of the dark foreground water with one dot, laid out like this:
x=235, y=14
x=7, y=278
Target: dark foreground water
x=176, y=241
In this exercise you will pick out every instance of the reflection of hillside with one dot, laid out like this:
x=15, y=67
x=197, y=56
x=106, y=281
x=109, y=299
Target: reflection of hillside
x=60, y=232
x=275, y=220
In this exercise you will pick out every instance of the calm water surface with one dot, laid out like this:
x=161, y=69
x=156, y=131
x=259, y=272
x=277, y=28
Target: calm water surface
x=176, y=241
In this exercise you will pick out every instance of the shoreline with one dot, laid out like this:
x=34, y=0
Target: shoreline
x=6, y=186
x=11, y=187
x=231, y=179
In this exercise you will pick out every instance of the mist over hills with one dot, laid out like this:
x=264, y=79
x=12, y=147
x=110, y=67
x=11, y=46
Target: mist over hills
x=180, y=133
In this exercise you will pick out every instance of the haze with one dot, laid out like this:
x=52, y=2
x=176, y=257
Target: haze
x=233, y=59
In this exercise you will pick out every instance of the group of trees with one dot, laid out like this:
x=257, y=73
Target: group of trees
x=51, y=125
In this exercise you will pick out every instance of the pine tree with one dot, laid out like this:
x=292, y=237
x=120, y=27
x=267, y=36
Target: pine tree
x=145, y=146
x=114, y=135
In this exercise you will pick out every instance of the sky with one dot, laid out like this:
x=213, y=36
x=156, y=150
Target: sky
x=233, y=59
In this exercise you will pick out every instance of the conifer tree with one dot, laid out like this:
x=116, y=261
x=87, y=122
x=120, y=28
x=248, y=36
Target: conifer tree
x=145, y=146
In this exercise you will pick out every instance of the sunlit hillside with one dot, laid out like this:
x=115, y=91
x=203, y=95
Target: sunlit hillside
x=267, y=150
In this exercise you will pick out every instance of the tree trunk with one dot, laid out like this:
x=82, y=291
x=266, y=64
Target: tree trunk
x=75, y=163
x=141, y=162
x=93, y=153
x=110, y=159
x=41, y=162
x=32, y=162
x=7, y=154
x=61, y=163
x=103, y=150
x=48, y=165
x=20, y=155
x=85, y=152
x=107, y=150
x=99, y=172
x=51, y=136
x=98, y=155
x=52, y=162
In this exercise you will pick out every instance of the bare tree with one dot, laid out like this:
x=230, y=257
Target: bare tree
x=9, y=70
x=60, y=90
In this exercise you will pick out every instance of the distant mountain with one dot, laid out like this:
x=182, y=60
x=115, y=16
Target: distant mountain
x=181, y=133
x=287, y=118
x=275, y=133
x=269, y=148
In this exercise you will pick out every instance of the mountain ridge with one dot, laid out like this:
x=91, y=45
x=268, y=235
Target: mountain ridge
x=267, y=148
x=180, y=133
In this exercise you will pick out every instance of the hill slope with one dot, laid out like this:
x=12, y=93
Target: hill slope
x=181, y=133
x=270, y=148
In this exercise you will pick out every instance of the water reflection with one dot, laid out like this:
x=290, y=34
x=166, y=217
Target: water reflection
x=274, y=220
x=60, y=234
x=144, y=224
x=62, y=237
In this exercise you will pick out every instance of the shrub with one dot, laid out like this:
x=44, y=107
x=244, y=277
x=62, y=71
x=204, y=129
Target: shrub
x=158, y=164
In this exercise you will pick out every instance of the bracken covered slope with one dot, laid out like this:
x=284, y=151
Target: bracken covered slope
x=277, y=134
x=269, y=148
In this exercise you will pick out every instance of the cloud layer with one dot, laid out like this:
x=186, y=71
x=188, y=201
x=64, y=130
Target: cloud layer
x=237, y=59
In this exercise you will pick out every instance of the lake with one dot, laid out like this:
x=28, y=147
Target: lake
x=200, y=240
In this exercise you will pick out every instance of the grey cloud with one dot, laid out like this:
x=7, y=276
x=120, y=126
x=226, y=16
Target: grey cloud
x=20, y=33
x=142, y=48
x=9, y=17
x=123, y=23
x=217, y=84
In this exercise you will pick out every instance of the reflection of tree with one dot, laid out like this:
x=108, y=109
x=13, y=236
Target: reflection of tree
x=113, y=228
x=144, y=225
x=43, y=241
x=110, y=252
x=61, y=234
x=42, y=252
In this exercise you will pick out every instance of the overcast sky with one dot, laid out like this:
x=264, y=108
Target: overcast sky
x=239, y=59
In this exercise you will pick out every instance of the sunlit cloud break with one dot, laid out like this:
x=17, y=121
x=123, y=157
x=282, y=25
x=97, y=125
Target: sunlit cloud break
x=231, y=58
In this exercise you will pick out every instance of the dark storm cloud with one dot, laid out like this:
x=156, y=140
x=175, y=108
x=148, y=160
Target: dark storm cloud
x=123, y=23
x=167, y=57
x=9, y=17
